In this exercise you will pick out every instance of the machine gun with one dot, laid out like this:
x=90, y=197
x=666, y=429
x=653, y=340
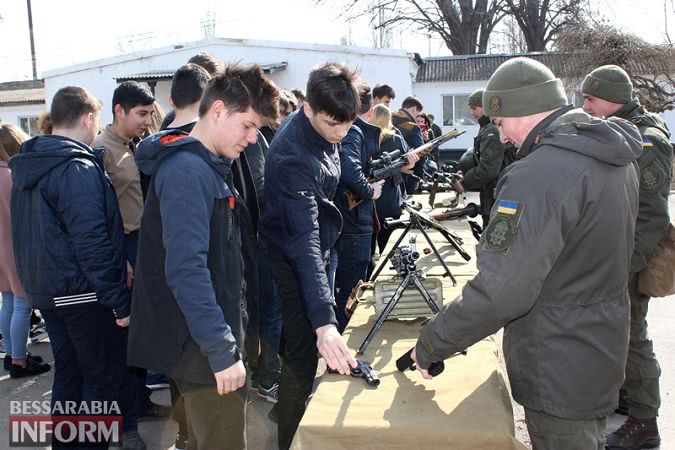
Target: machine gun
x=389, y=165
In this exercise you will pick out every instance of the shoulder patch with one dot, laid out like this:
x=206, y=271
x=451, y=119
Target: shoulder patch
x=647, y=142
x=503, y=227
x=651, y=178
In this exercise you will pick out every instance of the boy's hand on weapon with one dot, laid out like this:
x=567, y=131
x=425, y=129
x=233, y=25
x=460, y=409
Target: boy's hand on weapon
x=412, y=160
x=424, y=373
x=377, y=189
x=230, y=379
x=333, y=348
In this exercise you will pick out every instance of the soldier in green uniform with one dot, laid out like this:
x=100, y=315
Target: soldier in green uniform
x=608, y=92
x=488, y=155
x=553, y=262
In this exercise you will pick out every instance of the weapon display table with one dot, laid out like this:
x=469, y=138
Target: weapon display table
x=465, y=407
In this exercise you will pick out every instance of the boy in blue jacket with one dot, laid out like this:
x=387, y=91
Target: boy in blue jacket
x=187, y=297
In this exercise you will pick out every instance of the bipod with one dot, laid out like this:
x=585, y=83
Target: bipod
x=412, y=278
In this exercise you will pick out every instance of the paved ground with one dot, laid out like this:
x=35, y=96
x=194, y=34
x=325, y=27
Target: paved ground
x=262, y=432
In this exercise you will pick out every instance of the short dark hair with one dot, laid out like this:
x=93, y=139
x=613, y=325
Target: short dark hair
x=430, y=117
x=286, y=100
x=70, y=104
x=298, y=94
x=188, y=85
x=240, y=87
x=383, y=90
x=130, y=94
x=332, y=90
x=209, y=62
x=412, y=102
x=366, y=98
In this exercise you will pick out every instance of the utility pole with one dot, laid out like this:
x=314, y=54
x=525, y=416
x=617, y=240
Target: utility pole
x=32, y=40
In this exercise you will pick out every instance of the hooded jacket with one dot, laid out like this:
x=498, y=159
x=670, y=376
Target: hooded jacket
x=67, y=231
x=656, y=174
x=553, y=268
x=187, y=287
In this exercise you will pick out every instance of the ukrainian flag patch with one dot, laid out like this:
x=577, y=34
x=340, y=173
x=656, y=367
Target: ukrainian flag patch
x=647, y=143
x=507, y=207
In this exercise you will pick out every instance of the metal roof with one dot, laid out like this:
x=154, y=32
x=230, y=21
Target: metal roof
x=158, y=75
x=480, y=67
x=26, y=92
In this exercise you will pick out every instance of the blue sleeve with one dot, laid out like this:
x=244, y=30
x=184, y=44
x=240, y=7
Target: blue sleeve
x=350, y=163
x=186, y=195
x=81, y=204
x=302, y=243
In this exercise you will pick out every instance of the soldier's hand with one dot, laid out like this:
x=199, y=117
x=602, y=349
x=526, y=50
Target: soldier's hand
x=123, y=322
x=377, y=189
x=424, y=373
x=230, y=379
x=333, y=348
x=412, y=160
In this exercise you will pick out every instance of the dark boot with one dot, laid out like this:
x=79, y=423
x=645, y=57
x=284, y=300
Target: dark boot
x=623, y=403
x=635, y=434
x=32, y=368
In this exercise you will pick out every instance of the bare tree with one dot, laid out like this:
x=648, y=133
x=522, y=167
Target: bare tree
x=541, y=21
x=650, y=66
x=464, y=25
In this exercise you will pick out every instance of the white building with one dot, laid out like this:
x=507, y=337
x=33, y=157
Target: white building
x=288, y=64
x=21, y=103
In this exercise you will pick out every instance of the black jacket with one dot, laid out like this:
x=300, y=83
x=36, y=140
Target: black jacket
x=187, y=308
x=358, y=147
x=66, y=227
x=389, y=204
x=299, y=220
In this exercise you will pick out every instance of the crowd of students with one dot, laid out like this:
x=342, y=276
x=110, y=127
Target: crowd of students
x=187, y=250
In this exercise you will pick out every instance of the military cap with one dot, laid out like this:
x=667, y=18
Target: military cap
x=522, y=87
x=610, y=83
x=476, y=99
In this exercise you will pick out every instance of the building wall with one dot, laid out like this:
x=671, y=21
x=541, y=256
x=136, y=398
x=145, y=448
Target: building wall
x=377, y=66
x=11, y=114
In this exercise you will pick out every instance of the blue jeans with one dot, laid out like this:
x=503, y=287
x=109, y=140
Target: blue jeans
x=353, y=252
x=15, y=324
x=269, y=364
x=89, y=353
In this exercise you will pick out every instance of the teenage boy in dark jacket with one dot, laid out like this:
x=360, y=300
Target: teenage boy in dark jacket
x=300, y=224
x=188, y=286
x=404, y=121
x=69, y=246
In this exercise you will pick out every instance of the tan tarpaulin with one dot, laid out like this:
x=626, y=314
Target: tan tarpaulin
x=466, y=407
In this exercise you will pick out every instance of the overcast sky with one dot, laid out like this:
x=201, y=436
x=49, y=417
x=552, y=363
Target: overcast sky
x=73, y=31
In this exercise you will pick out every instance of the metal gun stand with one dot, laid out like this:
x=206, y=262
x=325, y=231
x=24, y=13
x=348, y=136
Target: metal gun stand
x=416, y=222
x=412, y=277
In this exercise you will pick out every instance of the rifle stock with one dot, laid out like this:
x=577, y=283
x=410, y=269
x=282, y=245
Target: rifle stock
x=395, y=168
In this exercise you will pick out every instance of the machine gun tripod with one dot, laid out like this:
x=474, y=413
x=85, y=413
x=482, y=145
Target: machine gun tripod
x=404, y=261
x=418, y=221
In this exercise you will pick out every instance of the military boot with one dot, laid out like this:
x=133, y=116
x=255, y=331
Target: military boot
x=635, y=434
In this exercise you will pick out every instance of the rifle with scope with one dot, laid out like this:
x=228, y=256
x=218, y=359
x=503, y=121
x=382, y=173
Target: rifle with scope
x=389, y=165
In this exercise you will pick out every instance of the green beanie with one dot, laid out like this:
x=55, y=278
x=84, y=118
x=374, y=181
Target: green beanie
x=610, y=83
x=476, y=99
x=522, y=87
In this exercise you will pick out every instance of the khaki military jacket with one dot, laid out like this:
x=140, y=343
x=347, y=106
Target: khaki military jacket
x=553, y=268
x=656, y=173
